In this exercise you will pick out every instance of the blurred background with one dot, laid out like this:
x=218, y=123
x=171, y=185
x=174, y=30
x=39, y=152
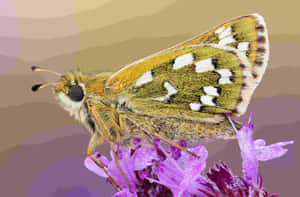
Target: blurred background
x=42, y=148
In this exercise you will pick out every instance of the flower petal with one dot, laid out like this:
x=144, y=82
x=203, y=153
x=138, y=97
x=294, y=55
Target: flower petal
x=180, y=174
x=265, y=153
x=127, y=166
x=90, y=164
x=248, y=152
x=194, y=166
x=144, y=157
x=259, y=143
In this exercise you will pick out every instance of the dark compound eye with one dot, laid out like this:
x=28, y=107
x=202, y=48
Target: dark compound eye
x=76, y=93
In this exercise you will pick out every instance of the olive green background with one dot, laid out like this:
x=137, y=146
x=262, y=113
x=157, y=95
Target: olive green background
x=104, y=35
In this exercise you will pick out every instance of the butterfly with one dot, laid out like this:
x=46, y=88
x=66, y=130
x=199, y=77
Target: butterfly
x=180, y=93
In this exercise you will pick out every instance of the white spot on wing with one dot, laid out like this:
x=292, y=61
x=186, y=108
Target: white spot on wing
x=170, y=88
x=224, y=72
x=210, y=90
x=225, y=76
x=207, y=100
x=183, y=60
x=161, y=99
x=225, y=36
x=171, y=91
x=145, y=78
x=218, y=31
x=195, y=106
x=243, y=46
x=204, y=65
x=226, y=40
x=121, y=100
x=225, y=80
x=225, y=33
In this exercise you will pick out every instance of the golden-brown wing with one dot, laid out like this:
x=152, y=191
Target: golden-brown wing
x=248, y=34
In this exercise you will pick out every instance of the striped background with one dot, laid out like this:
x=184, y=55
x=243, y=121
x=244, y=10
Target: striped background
x=42, y=148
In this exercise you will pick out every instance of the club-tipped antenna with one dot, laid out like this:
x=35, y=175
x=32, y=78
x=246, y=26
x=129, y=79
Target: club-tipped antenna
x=36, y=69
x=36, y=87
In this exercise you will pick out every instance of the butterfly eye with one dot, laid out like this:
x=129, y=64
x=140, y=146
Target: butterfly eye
x=76, y=93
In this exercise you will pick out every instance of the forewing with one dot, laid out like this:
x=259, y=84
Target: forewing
x=247, y=34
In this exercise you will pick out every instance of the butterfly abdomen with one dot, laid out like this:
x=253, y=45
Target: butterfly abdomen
x=192, y=132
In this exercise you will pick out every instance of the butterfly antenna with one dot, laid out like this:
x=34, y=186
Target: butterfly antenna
x=36, y=68
x=36, y=87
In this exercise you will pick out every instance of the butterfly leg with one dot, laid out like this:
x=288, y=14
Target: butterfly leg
x=119, y=166
x=95, y=140
x=108, y=128
x=135, y=120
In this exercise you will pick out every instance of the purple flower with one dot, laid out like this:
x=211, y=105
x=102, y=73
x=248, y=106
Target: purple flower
x=137, y=164
x=224, y=183
x=159, y=171
x=253, y=151
x=181, y=174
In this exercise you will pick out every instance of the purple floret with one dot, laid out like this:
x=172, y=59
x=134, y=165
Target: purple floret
x=253, y=151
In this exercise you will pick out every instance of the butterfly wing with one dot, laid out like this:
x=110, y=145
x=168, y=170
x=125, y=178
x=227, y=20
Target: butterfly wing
x=211, y=74
x=248, y=34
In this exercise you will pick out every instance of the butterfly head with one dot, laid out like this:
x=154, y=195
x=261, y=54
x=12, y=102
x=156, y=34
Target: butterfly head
x=70, y=90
